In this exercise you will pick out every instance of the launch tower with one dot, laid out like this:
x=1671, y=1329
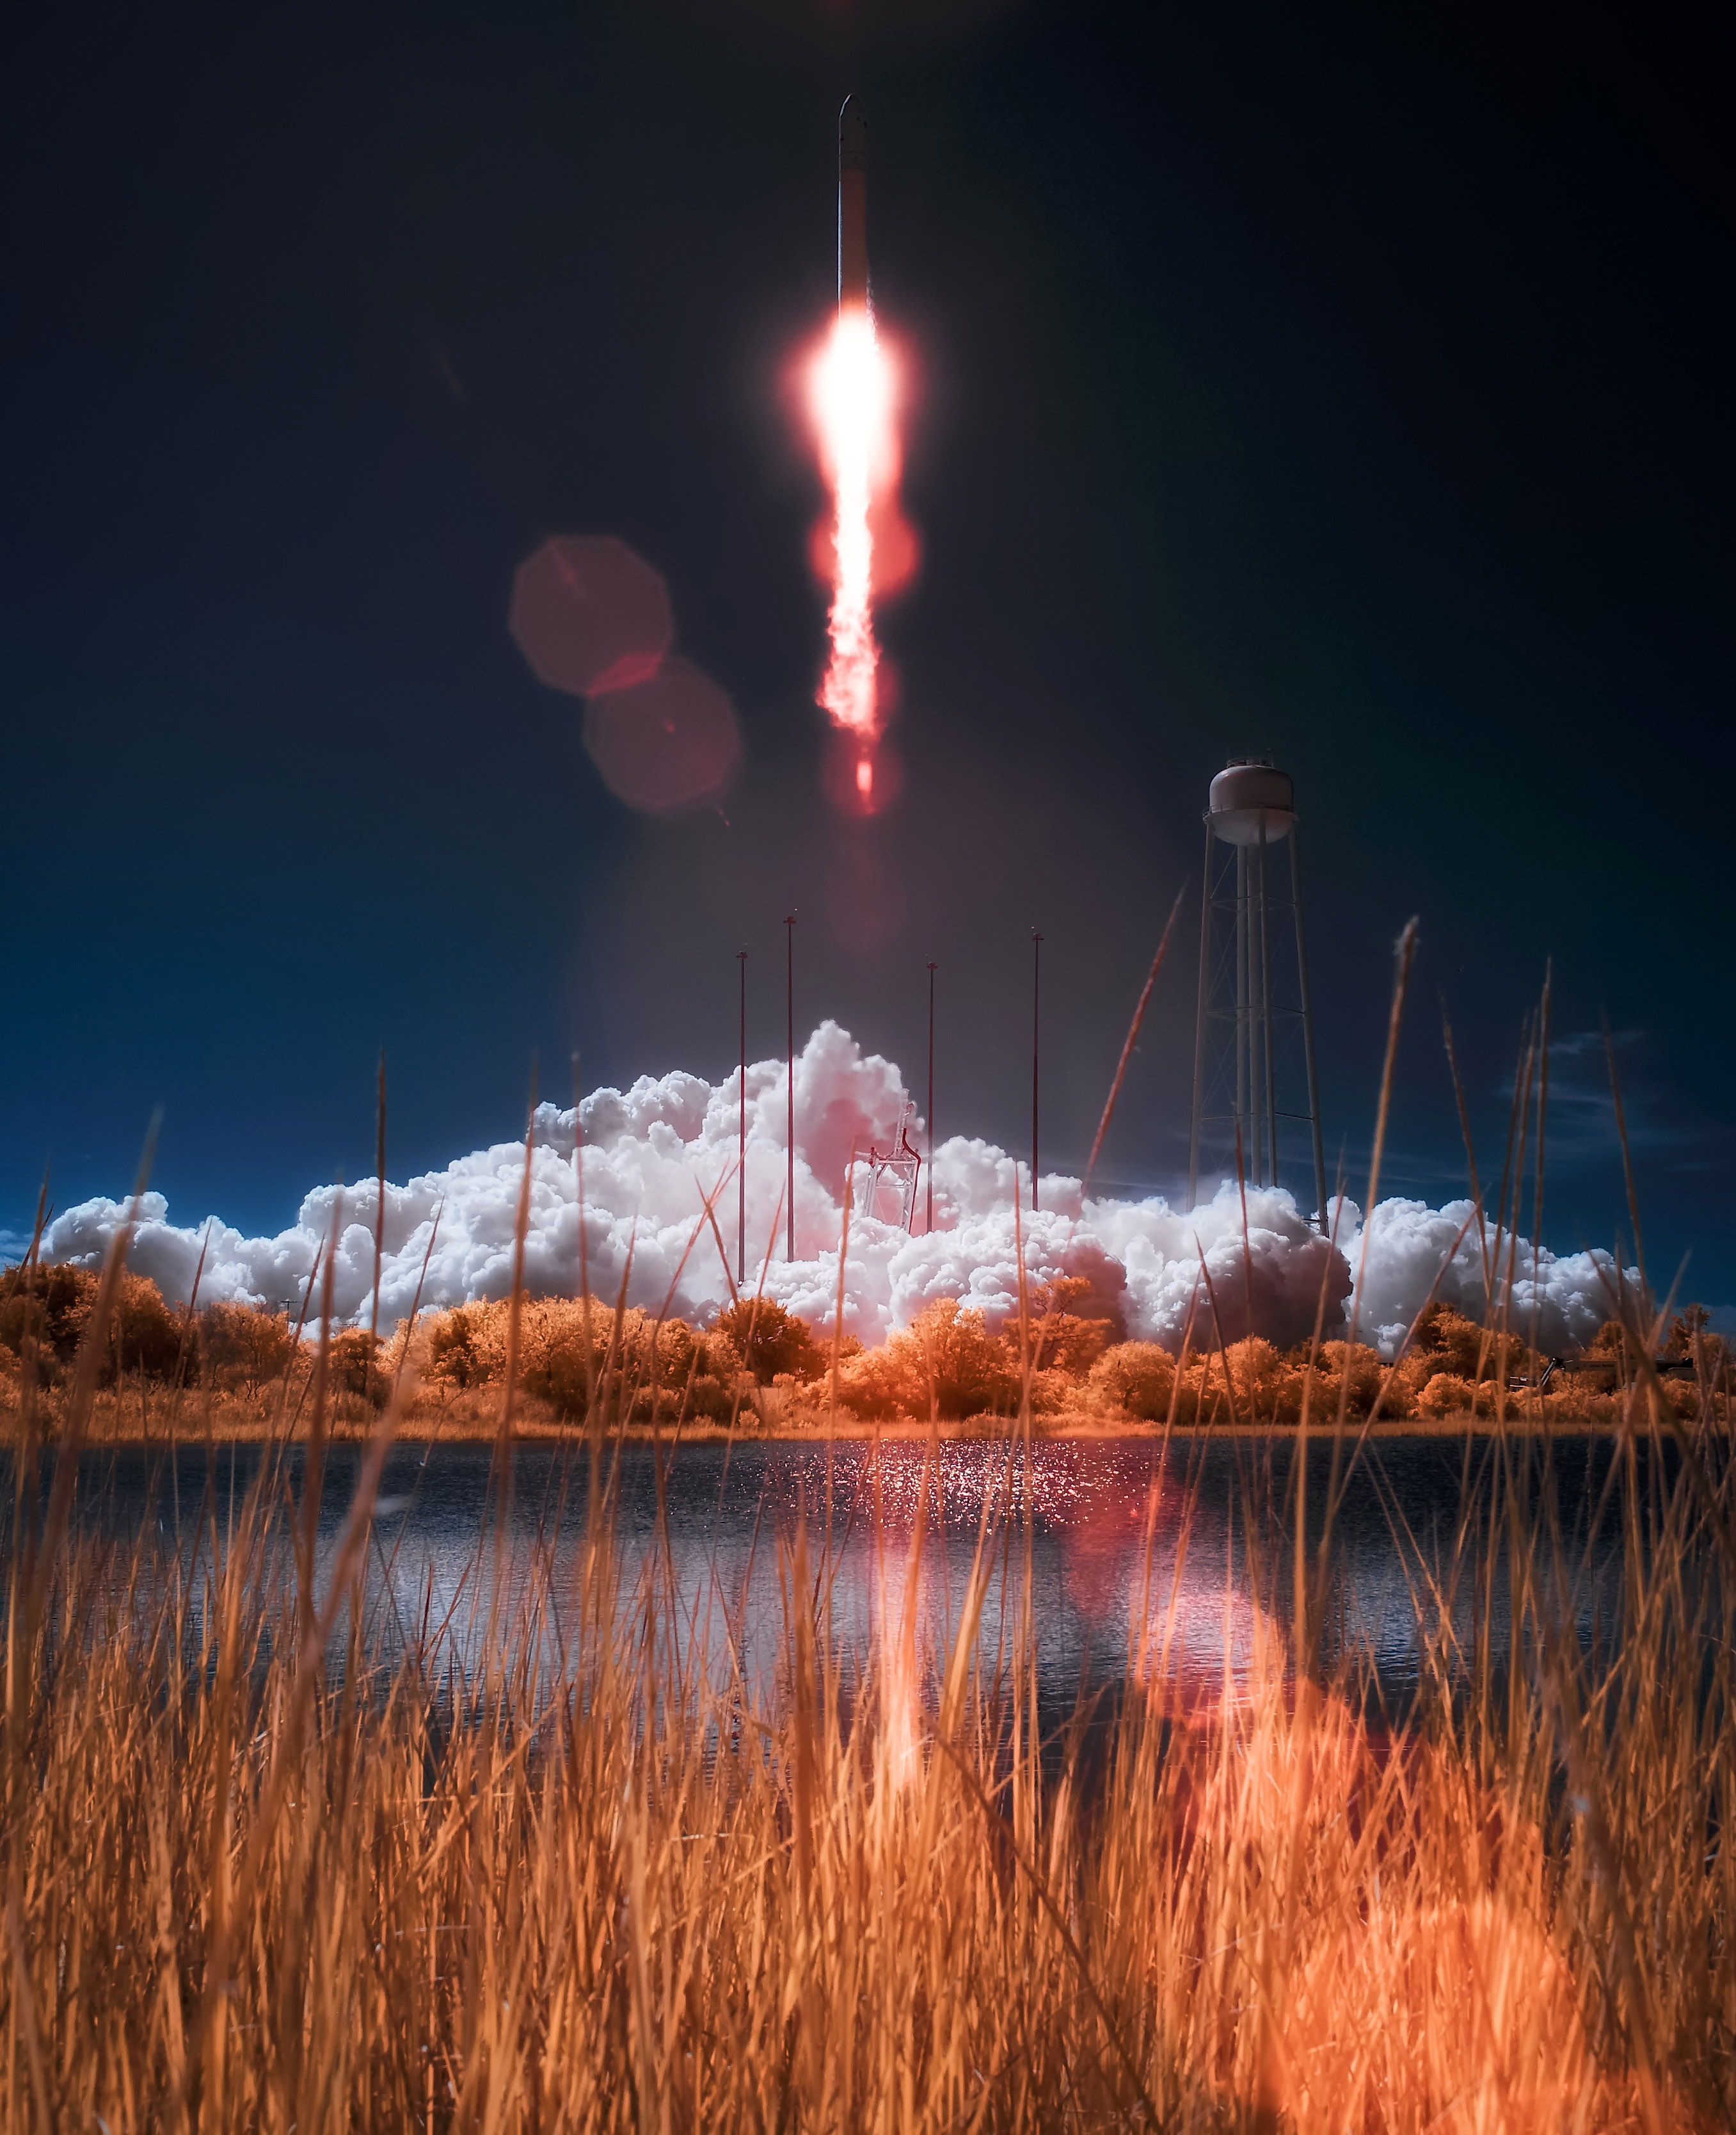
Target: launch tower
x=898, y=1168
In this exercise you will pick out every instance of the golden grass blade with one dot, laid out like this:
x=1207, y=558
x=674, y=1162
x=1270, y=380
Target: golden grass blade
x=1131, y=1041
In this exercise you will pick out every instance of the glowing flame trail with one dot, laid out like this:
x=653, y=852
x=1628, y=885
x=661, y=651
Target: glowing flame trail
x=853, y=407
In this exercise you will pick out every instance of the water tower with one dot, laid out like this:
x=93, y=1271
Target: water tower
x=1254, y=1018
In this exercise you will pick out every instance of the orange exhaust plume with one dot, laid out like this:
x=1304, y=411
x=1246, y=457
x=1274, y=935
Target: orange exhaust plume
x=853, y=395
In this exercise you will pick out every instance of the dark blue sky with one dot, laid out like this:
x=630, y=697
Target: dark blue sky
x=1351, y=384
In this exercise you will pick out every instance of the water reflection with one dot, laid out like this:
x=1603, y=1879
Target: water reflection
x=1124, y=1566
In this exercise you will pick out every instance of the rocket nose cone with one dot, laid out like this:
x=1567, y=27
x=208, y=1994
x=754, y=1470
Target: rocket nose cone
x=851, y=136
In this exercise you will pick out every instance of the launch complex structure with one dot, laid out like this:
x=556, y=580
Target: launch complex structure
x=1254, y=1065
x=1255, y=1082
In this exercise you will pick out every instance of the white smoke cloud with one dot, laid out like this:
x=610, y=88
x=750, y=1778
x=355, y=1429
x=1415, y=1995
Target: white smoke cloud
x=1563, y=1297
x=651, y=1154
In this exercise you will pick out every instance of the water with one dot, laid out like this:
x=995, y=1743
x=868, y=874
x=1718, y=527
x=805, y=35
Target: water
x=1178, y=1569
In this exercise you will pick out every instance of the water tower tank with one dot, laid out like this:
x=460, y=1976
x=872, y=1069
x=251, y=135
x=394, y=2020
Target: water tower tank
x=1247, y=795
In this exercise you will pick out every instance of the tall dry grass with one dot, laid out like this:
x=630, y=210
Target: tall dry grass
x=251, y=1881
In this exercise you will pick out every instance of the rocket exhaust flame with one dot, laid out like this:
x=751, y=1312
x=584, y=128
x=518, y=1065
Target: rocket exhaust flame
x=852, y=393
x=853, y=408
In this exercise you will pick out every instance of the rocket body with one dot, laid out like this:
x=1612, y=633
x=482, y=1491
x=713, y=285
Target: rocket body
x=853, y=269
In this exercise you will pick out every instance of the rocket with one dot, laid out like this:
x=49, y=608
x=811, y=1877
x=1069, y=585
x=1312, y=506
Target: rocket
x=852, y=270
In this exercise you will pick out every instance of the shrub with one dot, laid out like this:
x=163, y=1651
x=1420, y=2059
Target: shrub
x=682, y=1373
x=564, y=1364
x=352, y=1359
x=953, y=1353
x=55, y=1306
x=244, y=1346
x=1691, y=1338
x=454, y=1352
x=566, y=1349
x=946, y=1355
x=1451, y=1342
x=1447, y=1394
x=769, y=1340
x=1342, y=1362
x=52, y=1303
x=144, y=1334
x=1053, y=1391
x=1268, y=1389
x=1064, y=1338
x=1137, y=1377
x=1689, y=1326
x=884, y=1382
x=639, y=1368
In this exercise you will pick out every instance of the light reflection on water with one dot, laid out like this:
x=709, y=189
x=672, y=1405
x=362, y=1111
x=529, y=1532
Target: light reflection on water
x=1175, y=1570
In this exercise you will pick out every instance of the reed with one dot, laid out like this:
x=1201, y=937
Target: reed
x=265, y=1869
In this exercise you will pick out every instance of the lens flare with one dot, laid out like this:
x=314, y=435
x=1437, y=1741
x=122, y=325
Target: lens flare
x=851, y=391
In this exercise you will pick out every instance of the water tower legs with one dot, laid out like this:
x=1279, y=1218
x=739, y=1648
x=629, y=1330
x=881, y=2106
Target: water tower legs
x=1307, y=1033
x=1266, y=1173
x=1237, y=1020
x=1199, y=1024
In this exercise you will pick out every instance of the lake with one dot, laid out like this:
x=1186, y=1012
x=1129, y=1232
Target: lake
x=1176, y=1567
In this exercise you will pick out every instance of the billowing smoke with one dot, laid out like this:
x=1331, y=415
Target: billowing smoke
x=651, y=1153
x=1557, y=1300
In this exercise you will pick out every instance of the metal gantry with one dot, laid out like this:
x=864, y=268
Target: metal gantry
x=900, y=1166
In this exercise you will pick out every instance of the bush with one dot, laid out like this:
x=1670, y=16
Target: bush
x=1447, y=1394
x=637, y=1367
x=564, y=1364
x=674, y=1371
x=54, y=1308
x=945, y=1357
x=1688, y=1329
x=884, y=1382
x=353, y=1361
x=770, y=1341
x=51, y=1302
x=144, y=1334
x=1268, y=1390
x=1446, y=1341
x=1342, y=1362
x=1691, y=1338
x=956, y=1361
x=454, y=1351
x=1138, y=1377
x=244, y=1346
x=1065, y=1336
x=1451, y=1342
x=1054, y=1391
